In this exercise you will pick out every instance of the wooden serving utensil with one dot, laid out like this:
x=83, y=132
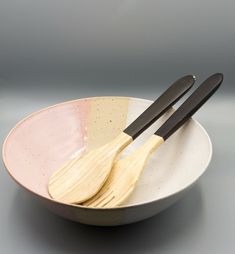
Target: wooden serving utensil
x=126, y=172
x=82, y=177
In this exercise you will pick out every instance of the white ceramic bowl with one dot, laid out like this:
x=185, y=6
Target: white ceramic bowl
x=40, y=143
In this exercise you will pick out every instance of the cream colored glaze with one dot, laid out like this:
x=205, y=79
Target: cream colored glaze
x=104, y=126
x=105, y=122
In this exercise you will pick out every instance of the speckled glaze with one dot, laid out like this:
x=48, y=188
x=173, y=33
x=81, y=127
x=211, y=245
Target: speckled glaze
x=45, y=140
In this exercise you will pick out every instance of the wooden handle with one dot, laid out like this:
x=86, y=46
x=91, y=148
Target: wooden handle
x=190, y=106
x=160, y=106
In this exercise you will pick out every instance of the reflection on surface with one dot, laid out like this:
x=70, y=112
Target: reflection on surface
x=50, y=232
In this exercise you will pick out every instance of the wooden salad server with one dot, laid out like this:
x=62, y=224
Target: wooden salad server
x=82, y=177
x=126, y=172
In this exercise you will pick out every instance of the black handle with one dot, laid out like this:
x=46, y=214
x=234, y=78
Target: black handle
x=160, y=106
x=190, y=106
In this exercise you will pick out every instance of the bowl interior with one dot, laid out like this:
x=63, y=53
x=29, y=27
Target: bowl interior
x=45, y=140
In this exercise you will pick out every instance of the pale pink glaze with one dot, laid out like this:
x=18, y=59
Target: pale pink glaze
x=83, y=108
x=62, y=129
x=44, y=141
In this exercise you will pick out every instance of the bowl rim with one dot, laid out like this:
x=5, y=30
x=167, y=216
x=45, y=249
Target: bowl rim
x=102, y=208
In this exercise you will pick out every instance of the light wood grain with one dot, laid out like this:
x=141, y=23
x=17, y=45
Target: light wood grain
x=81, y=178
x=124, y=175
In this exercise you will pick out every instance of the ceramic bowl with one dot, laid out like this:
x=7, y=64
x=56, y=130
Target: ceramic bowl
x=43, y=141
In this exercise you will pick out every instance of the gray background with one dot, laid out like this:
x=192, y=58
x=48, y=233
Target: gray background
x=52, y=51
